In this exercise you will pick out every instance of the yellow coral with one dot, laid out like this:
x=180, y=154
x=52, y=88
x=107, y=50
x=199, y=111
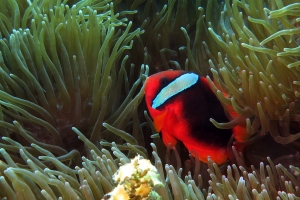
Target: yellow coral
x=119, y=193
x=138, y=179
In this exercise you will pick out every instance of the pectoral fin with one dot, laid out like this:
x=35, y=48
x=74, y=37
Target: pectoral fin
x=168, y=139
x=160, y=120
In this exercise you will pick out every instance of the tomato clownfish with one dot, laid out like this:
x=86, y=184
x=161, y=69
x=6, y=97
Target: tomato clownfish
x=181, y=104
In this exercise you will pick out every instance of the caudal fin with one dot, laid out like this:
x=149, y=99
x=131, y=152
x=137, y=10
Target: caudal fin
x=240, y=133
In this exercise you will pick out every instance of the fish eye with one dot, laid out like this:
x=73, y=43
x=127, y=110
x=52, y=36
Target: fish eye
x=164, y=82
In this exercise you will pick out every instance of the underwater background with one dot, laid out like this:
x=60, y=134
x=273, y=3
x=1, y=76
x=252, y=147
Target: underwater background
x=72, y=109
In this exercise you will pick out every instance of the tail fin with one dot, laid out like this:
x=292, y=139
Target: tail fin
x=240, y=133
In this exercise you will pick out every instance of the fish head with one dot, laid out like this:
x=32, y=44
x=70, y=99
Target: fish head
x=153, y=86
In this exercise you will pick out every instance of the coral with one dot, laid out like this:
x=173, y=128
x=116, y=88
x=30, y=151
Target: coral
x=136, y=180
x=95, y=177
x=256, y=66
x=73, y=64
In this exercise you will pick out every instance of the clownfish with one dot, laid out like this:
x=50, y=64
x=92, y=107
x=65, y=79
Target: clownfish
x=181, y=104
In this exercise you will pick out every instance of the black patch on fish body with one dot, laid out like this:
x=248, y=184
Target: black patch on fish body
x=200, y=104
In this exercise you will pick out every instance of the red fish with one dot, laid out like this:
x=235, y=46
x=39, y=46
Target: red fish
x=181, y=104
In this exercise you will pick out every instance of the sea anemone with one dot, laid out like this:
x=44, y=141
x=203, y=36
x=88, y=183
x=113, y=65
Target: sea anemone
x=95, y=177
x=66, y=70
x=74, y=65
x=255, y=68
